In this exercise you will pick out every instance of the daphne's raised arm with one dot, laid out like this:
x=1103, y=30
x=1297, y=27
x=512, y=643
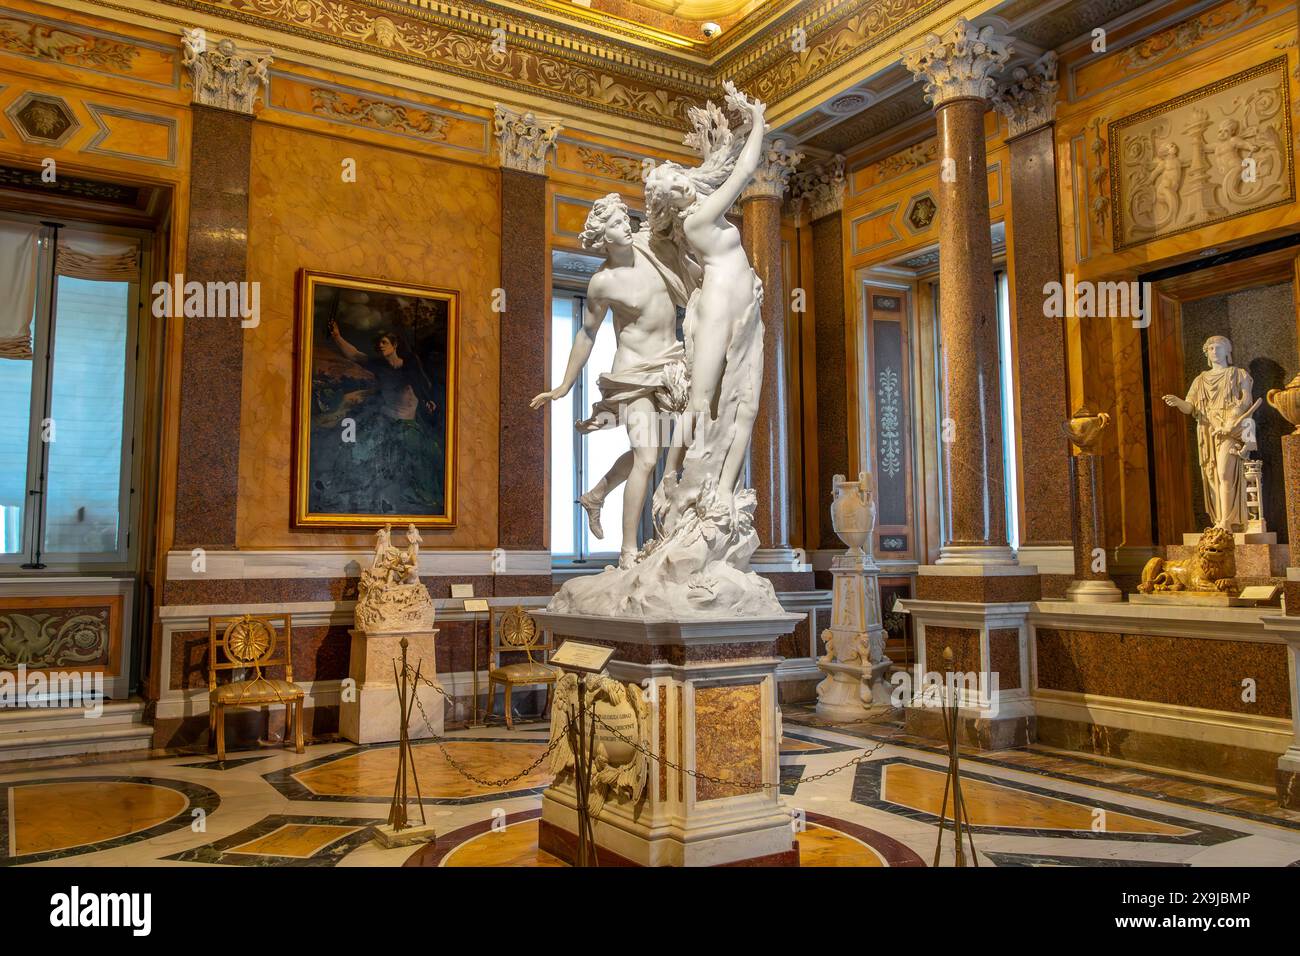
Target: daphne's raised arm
x=715, y=206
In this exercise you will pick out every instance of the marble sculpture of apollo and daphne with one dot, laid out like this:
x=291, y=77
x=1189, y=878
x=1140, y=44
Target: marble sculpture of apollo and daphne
x=694, y=401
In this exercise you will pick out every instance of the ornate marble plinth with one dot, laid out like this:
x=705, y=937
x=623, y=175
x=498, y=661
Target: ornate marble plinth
x=710, y=698
x=989, y=673
x=855, y=663
x=373, y=716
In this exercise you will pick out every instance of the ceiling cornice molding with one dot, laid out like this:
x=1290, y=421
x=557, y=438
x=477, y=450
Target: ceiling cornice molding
x=586, y=67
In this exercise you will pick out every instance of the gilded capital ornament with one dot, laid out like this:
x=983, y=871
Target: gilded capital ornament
x=959, y=63
x=524, y=139
x=820, y=190
x=774, y=171
x=1029, y=101
x=224, y=75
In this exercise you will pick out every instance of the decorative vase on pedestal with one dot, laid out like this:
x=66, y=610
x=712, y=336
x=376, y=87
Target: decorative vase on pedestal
x=854, y=663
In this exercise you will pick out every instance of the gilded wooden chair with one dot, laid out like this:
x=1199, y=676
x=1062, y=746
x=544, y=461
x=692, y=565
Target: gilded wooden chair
x=251, y=641
x=515, y=632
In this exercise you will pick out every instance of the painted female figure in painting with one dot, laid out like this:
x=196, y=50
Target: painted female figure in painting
x=1219, y=400
x=395, y=431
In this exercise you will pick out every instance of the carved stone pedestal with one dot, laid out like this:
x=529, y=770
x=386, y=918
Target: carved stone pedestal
x=711, y=694
x=990, y=668
x=855, y=661
x=374, y=716
x=1091, y=584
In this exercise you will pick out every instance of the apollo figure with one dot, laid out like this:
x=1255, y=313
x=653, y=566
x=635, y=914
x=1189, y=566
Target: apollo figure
x=648, y=379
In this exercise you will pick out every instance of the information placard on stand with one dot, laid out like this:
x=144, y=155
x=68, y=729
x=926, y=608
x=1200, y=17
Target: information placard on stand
x=582, y=658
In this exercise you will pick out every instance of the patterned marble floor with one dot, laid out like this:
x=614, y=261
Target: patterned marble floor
x=272, y=807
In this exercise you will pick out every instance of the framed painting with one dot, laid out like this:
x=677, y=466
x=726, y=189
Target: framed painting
x=375, y=403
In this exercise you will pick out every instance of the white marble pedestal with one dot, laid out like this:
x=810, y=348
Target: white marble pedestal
x=374, y=715
x=712, y=693
x=855, y=663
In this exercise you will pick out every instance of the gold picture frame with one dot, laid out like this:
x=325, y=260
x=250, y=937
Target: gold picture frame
x=374, y=403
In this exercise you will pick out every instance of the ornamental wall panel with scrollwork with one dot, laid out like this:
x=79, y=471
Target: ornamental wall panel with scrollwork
x=1210, y=155
x=61, y=632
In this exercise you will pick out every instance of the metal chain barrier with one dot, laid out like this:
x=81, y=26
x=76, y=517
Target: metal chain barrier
x=469, y=774
x=635, y=745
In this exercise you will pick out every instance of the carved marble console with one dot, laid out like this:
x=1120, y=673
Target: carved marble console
x=710, y=689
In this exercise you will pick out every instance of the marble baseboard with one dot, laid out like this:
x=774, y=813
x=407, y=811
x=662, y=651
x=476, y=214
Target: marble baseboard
x=980, y=733
x=1160, y=750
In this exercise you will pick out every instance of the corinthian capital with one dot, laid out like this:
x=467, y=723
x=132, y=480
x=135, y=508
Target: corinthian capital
x=1029, y=101
x=820, y=190
x=774, y=170
x=959, y=63
x=222, y=74
x=524, y=139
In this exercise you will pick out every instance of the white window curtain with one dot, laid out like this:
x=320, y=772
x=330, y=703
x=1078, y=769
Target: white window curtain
x=89, y=255
x=18, y=275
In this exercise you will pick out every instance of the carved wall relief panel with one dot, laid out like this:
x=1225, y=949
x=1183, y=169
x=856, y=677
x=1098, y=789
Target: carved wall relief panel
x=60, y=632
x=1210, y=155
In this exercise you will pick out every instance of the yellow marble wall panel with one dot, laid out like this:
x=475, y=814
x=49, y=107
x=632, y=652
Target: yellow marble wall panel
x=115, y=137
x=728, y=739
x=379, y=115
x=407, y=218
x=873, y=230
x=130, y=134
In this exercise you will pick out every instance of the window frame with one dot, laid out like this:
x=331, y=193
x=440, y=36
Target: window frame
x=123, y=559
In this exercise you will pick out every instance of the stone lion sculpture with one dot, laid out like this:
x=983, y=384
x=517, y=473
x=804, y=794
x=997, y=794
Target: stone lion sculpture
x=1212, y=567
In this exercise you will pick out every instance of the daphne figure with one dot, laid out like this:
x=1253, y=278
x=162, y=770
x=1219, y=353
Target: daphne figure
x=691, y=205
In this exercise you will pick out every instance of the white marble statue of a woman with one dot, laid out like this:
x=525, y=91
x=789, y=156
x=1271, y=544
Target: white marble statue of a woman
x=697, y=563
x=1220, y=401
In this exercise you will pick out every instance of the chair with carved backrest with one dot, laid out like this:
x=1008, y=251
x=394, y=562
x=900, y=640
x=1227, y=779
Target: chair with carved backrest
x=250, y=641
x=515, y=632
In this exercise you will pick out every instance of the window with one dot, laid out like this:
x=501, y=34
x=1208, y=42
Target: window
x=579, y=461
x=1007, y=392
x=67, y=426
x=1006, y=356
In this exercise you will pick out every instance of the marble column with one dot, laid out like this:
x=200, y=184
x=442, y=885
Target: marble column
x=1029, y=105
x=769, y=454
x=977, y=594
x=821, y=195
x=524, y=141
x=226, y=80
x=957, y=69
